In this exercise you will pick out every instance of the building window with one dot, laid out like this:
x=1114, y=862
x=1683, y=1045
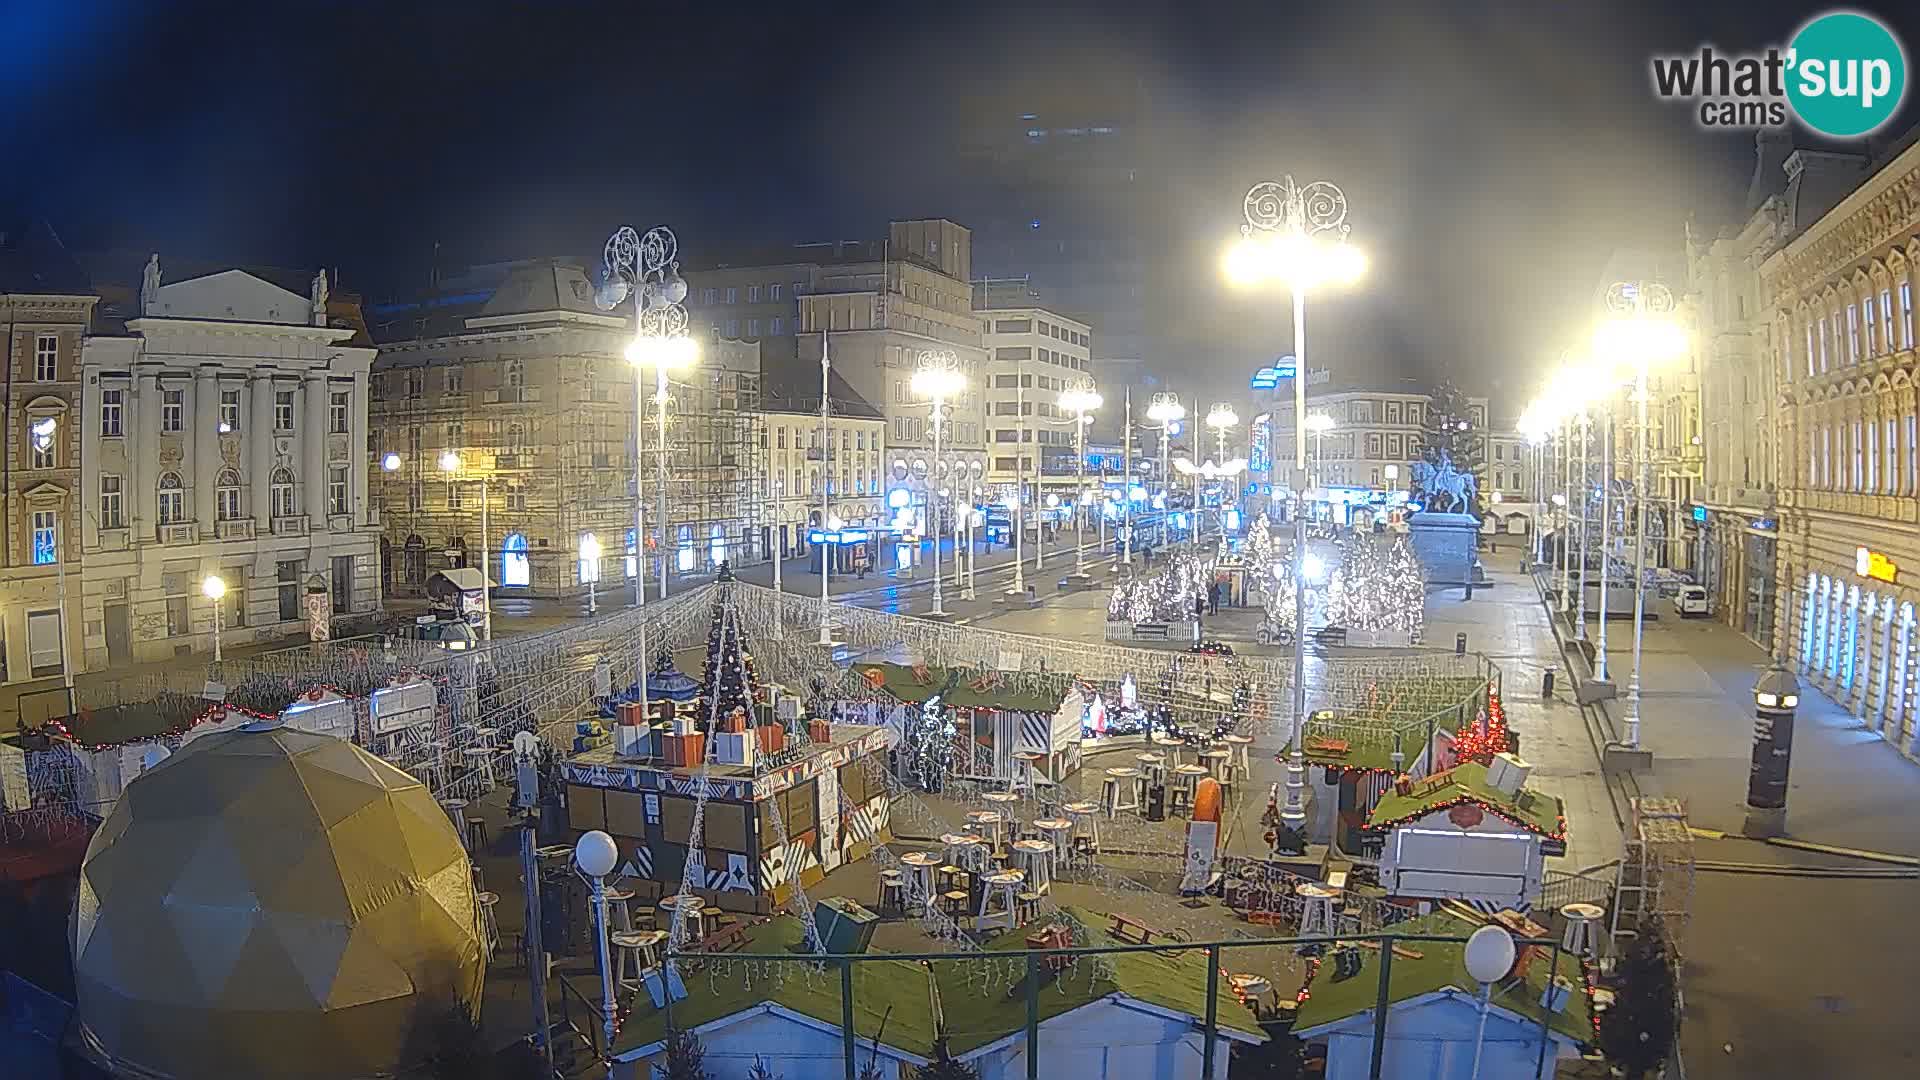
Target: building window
x=46, y=541
x=1906, y=315
x=42, y=441
x=172, y=410
x=339, y=412
x=776, y=327
x=773, y=292
x=283, y=409
x=516, y=438
x=229, y=411
x=173, y=501
x=1810, y=350
x=456, y=434
x=416, y=382
x=287, y=576
x=753, y=327
x=753, y=294
x=110, y=511
x=226, y=496
x=516, y=499
x=733, y=325
x=733, y=295
x=516, y=374
x=280, y=492
x=112, y=402
x=707, y=296
x=1823, y=343
x=1866, y=319
x=453, y=380
x=453, y=496
x=337, y=490
x=46, y=358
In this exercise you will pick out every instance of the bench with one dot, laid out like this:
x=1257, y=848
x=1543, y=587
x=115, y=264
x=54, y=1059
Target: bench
x=724, y=940
x=1131, y=931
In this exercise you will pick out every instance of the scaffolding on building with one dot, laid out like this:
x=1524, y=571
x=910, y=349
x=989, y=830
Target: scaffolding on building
x=1655, y=882
x=717, y=495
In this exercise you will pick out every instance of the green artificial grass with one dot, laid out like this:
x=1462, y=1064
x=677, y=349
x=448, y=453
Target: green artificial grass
x=1441, y=965
x=978, y=1004
x=1016, y=692
x=1468, y=780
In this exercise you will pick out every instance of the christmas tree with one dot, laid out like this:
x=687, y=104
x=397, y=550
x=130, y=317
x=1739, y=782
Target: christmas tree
x=727, y=679
x=686, y=1058
x=1378, y=586
x=1637, y=1032
x=1451, y=431
x=1487, y=735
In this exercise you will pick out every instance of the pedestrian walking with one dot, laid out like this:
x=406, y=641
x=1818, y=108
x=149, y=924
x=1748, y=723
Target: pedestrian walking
x=1213, y=598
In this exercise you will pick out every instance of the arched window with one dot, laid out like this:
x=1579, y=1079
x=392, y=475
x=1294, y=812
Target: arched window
x=173, y=499
x=280, y=493
x=516, y=438
x=414, y=561
x=226, y=495
x=633, y=558
x=514, y=570
x=516, y=373
x=684, y=558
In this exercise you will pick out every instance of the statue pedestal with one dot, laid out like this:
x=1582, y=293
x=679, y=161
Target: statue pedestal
x=1445, y=545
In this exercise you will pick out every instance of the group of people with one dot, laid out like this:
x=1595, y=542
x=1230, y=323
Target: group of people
x=1220, y=590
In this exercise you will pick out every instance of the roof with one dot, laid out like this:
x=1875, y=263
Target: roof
x=1440, y=967
x=1467, y=782
x=1173, y=981
x=903, y=992
x=842, y=400
x=1024, y=692
x=461, y=578
x=34, y=261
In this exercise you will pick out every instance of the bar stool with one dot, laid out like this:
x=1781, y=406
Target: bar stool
x=477, y=838
x=1316, y=908
x=974, y=855
x=481, y=757
x=1004, y=886
x=954, y=903
x=1216, y=761
x=1036, y=861
x=1153, y=765
x=1086, y=823
x=1186, y=780
x=643, y=945
x=892, y=891
x=1024, y=771
x=457, y=813
x=489, y=926
x=1121, y=791
x=618, y=916
x=1027, y=907
x=987, y=821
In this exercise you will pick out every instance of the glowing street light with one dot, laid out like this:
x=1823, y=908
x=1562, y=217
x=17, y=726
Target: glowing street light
x=1080, y=398
x=390, y=462
x=646, y=268
x=1166, y=412
x=450, y=464
x=1296, y=236
x=937, y=376
x=590, y=568
x=214, y=589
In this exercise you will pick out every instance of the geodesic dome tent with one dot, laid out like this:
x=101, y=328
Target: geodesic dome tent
x=273, y=903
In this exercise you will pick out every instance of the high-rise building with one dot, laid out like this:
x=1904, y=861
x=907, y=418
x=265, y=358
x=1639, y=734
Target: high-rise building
x=1033, y=354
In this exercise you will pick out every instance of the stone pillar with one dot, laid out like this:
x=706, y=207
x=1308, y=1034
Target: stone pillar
x=206, y=450
x=259, y=439
x=313, y=449
x=145, y=417
x=357, y=450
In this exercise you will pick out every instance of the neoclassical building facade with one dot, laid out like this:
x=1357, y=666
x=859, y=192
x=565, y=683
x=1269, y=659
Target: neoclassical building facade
x=1843, y=344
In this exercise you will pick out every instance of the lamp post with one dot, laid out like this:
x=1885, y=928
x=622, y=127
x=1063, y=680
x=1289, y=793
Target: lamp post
x=826, y=433
x=1584, y=488
x=590, y=568
x=937, y=377
x=1296, y=235
x=215, y=590
x=1320, y=423
x=1166, y=412
x=1642, y=330
x=1489, y=957
x=1080, y=398
x=595, y=853
x=1222, y=419
x=647, y=269
x=1606, y=538
x=450, y=464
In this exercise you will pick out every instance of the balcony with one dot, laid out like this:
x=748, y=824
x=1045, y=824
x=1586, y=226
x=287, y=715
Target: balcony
x=290, y=526
x=234, y=529
x=177, y=533
x=115, y=538
x=511, y=461
x=510, y=395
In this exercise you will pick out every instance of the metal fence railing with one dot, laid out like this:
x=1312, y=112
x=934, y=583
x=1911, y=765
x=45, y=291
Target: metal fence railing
x=982, y=1020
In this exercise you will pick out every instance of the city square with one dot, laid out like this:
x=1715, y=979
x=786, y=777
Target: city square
x=1186, y=605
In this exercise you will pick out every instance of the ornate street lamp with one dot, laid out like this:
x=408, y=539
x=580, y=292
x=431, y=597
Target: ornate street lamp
x=937, y=376
x=1296, y=236
x=647, y=269
x=1080, y=398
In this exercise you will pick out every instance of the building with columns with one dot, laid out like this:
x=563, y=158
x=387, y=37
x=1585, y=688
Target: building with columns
x=1840, y=303
x=224, y=430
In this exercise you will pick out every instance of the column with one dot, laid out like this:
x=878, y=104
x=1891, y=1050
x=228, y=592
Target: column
x=358, y=452
x=313, y=449
x=259, y=438
x=144, y=414
x=206, y=450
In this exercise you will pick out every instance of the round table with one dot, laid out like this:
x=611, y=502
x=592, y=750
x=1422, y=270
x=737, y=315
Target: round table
x=988, y=820
x=1057, y=830
x=1031, y=761
x=1155, y=764
x=1172, y=744
x=619, y=896
x=1086, y=819
x=1238, y=744
x=1126, y=796
x=688, y=907
x=482, y=758
x=921, y=864
x=457, y=812
x=1187, y=781
x=1216, y=761
x=1038, y=856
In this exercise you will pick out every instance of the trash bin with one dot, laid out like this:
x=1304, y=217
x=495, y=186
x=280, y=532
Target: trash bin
x=1546, y=683
x=1460, y=644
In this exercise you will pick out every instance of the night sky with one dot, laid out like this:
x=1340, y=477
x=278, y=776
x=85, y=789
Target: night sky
x=1494, y=154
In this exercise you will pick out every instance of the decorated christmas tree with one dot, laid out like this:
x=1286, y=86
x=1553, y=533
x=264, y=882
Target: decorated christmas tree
x=727, y=679
x=1486, y=736
x=1378, y=586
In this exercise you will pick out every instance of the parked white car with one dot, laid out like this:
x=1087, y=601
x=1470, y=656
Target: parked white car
x=1691, y=600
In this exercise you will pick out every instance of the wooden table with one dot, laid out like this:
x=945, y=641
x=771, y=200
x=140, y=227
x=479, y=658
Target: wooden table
x=1154, y=764
x=921, y=865
x=1217, y=762
x=688, y=907
x=989, y=820
x=1238, y=744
